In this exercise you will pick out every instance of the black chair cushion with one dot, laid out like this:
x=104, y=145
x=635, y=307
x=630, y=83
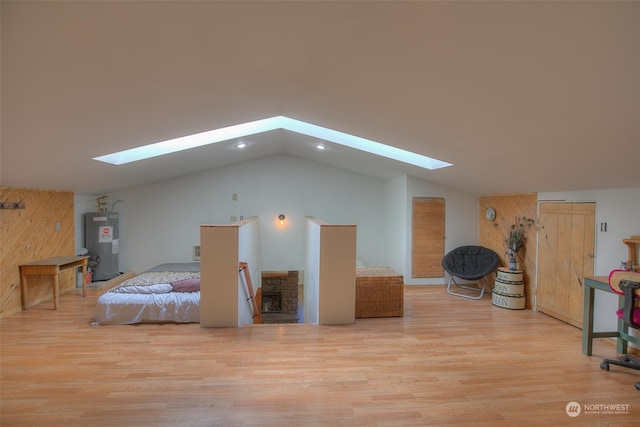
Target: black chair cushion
x=470, y=262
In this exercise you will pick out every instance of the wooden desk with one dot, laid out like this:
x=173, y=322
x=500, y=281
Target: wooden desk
x=591, y=283
x=51, y=267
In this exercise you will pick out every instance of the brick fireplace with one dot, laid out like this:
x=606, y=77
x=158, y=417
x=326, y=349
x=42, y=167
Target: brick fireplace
x=279, y=297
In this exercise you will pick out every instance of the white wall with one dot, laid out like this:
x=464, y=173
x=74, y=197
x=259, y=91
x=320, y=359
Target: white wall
x=397, y=221
x=312, y=270
x=620, y=209
x=82, y=205
x=249, y=252
x=461, y=221
x=160, y=222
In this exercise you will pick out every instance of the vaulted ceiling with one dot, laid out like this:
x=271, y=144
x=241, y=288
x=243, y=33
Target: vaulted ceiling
x=519, y=96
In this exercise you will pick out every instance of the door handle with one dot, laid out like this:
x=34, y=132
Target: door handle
x=578, y=276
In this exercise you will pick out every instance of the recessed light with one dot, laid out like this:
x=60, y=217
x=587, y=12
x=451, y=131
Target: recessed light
x=241, y=145
x=321, y=147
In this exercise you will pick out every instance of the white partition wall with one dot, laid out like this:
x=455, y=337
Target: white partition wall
x=222, y=301
x=248, y=251
x=312, y=270
x=337, y=304
x=330, y=276
x=218, y=275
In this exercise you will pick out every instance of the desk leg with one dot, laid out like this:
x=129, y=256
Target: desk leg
x=56, y=290
x=23, y=289
x=587, y=320
x=621, y=346
x=84, y=279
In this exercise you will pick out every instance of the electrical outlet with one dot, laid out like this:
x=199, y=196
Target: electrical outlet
x=196, y=252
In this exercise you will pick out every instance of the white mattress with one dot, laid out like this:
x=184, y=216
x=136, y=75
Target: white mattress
x=147, y=298
x=126, y=309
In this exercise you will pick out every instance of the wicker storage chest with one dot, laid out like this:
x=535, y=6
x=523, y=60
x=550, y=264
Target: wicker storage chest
x=379, y=293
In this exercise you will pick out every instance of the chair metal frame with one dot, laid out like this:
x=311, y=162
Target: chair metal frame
x=469, y=288
x=630, y=289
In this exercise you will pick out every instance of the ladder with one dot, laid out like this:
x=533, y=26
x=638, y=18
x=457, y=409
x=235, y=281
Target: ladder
x=243, y=266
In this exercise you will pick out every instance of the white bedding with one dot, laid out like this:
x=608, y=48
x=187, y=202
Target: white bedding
x=150, y=297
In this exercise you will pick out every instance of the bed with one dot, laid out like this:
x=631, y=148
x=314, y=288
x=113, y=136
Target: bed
x=379, y=292
x=164, y=293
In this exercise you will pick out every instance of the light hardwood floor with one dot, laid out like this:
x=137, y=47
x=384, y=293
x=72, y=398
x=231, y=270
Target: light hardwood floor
x=448, y=361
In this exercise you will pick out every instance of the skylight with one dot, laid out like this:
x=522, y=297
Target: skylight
x=264, y=125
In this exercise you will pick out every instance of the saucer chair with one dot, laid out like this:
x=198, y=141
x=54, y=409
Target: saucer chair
x=469, y=263
x=626, y=283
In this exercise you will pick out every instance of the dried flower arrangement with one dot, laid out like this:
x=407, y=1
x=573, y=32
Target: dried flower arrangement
x=516, y=238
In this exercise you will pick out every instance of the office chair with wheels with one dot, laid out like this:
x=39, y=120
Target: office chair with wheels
x=469, y=263
x=626, y=283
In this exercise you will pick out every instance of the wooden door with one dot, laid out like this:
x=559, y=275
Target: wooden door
x=566, y=246
x=427, y=237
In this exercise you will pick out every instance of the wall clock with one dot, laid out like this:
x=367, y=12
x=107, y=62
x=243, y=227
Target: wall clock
x=490, y=214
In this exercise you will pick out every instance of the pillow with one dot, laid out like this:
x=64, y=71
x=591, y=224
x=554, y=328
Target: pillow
x=160, y=288
x=187, y=285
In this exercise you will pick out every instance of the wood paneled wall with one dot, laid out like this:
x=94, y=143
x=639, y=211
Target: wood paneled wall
x=31, y=234
x=492, y=234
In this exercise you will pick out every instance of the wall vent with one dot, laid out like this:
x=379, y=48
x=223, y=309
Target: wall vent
x=196, y=252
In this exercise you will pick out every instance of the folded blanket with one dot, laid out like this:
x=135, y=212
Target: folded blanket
x=160, y=288
x=156, y=282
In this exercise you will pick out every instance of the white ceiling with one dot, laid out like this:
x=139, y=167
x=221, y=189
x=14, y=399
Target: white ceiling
x=520, y=97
